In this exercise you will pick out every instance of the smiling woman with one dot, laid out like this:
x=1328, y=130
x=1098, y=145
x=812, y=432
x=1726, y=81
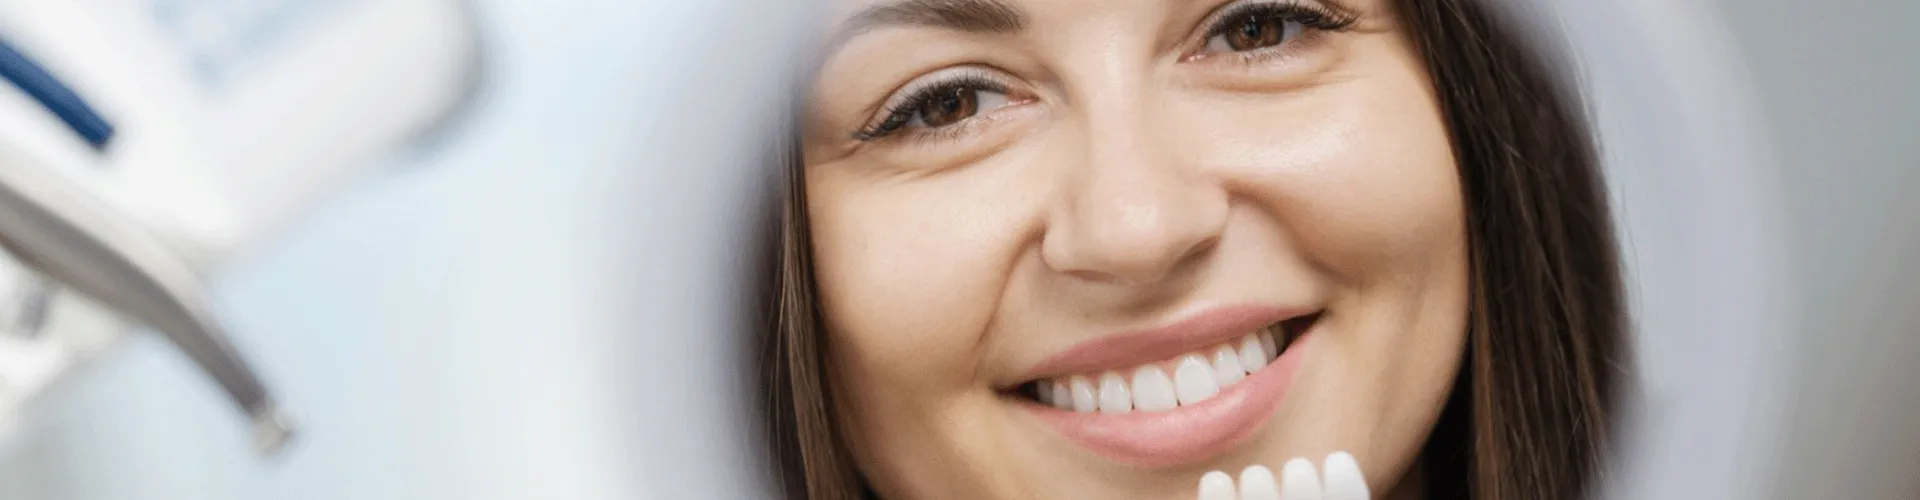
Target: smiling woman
x=1076, y=249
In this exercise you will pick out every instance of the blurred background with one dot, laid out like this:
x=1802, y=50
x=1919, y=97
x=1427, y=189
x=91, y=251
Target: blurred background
x=425, y=321
x=1834, y=81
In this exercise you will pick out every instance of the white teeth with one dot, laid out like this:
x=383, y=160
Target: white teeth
x=1114, y=396
x=1256, y=483
x=1299, y=481
x=1196, y=377
x=1268, y=345
x=1151, y=389
x=1193, y=380
x=1226, y=366
x=1083, y=398
x=1252, y=356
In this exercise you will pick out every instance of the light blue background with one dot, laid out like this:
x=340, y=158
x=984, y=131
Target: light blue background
x=422, y=323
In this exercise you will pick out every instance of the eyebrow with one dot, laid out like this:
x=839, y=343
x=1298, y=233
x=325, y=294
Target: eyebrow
x=973, y=16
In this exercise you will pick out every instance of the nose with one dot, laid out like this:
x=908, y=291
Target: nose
x=1131, y=213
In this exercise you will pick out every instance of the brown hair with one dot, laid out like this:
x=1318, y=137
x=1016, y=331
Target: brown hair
x=1545, y=357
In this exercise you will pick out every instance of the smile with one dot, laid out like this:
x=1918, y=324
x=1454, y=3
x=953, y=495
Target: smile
x=1176, y=394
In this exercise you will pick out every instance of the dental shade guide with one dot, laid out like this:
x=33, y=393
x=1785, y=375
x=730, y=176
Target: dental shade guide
x=1338, y=478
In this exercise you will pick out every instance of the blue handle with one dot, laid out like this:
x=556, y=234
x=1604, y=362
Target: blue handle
x=56, y=96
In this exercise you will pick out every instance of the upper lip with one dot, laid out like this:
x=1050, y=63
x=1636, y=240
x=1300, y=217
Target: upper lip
x=1202, y=329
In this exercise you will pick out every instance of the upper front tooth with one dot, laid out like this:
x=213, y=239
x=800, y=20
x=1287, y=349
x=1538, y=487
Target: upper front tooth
x=1226, y=366
x=1083, y=397
x=1252, y=356
x=1151, y=389
x=1114, y=396
x=1193, y=380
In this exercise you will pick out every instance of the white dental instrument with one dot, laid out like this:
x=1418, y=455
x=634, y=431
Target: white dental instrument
x=144, y=144
x=58, y=228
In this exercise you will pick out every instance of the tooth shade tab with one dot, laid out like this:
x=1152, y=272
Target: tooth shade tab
x=1216, y=485
x=1338, y=478
x=1257, y=483
x=1343, y=480
x=1300, y=480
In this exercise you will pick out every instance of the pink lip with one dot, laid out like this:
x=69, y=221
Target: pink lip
x=1188, y=433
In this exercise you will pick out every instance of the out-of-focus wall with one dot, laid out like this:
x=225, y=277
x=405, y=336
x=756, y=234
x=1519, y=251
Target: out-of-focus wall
x=1839, y=82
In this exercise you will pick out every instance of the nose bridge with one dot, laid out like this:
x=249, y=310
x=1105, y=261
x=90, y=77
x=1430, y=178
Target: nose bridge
x=1133, y=212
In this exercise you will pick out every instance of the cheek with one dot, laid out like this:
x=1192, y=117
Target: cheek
x=1361, y=182
x=908, y=276
x=1364, y=183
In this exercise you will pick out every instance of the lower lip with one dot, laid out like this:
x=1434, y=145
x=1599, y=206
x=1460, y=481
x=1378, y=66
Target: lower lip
x=1185, y=434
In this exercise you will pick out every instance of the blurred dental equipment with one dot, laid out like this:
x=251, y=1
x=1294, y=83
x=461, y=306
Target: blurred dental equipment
x=144, y=143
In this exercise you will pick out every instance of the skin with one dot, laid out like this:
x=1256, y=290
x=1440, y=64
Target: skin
x=1130, y=174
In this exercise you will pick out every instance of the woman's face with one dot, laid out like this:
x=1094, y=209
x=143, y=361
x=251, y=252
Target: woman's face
x=1052, y=236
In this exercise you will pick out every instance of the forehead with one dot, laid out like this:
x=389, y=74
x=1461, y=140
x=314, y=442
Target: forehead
x=855, y=16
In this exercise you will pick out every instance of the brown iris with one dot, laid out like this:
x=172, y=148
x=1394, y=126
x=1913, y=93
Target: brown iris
x=950, y=106
x=1255, y=31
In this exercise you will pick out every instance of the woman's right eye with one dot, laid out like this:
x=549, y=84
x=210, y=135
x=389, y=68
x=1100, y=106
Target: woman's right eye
x=937, y=106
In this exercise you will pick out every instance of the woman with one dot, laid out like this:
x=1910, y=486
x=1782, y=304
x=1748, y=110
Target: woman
x=1077, y=249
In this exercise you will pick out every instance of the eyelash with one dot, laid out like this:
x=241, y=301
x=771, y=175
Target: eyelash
x=901, y=112
x=1315, y=18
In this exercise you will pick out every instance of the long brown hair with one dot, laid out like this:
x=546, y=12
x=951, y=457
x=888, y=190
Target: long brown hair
x=1545, y=358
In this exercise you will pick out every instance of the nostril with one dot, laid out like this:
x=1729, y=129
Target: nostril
x=1130, y=240
x=1146, y=271
x=1198, y=252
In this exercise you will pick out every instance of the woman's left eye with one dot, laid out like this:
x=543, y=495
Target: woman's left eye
x=1262, y=26
x=1253, y=31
